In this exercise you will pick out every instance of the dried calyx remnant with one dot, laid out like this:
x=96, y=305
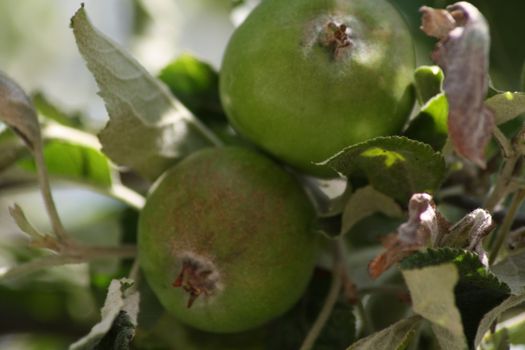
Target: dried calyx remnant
x=337, y=37
x=198, y=275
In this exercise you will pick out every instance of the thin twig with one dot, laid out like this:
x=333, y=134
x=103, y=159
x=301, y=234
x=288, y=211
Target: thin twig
x=503, y=232
x=329, y=303
x=80, y=254
x=500, y=189
x=134, y=272
x=512, y=153
x=45, y=188
x=351, y=292
x=503, y=141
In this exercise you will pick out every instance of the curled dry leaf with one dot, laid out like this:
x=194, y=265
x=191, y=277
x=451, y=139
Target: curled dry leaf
x=468, y=233
x=424, y=226
x=463, y=54
x=17, y=111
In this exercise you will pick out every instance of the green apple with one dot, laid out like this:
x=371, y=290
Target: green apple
x=305, y=78
x=226, y=240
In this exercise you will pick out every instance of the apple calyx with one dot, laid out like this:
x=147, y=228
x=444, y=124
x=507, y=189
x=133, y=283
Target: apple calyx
x=197, y=276
x=336, y=37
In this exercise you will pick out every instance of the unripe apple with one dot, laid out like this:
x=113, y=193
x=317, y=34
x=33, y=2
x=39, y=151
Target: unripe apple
x=226, y=241
x=305, y=78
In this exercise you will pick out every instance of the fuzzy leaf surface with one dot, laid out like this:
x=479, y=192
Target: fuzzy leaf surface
x=477, y=290
x=432, y=292
x=148, y=129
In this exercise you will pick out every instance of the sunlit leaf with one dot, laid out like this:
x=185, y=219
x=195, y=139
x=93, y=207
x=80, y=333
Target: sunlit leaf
x=428, y=81
x=396, y=166
x=430, y=125
x=75, y=162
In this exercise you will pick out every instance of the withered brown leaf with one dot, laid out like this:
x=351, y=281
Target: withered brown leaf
x=463, y=54
x=424, y=226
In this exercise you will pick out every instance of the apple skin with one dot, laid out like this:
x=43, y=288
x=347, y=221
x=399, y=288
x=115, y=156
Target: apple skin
x=288, y=91
x=246, y=220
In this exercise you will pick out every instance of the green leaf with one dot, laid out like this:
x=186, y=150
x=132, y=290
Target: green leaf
x=477, y=290
x=51, y=112
x=447, y=339
x=17, y=111
x=506, y=106
x=365, y=202
x=395, y=337
x=72, y=155
x=429, y=82
x=430, y=125
x=499, y=340
x=432, y=293
x=76, y=162
x=511, y=270
x=69, y=154
x=490, y=317
x=148, y=129
x=517, y=333
x=196, y=85
x=121, y=298
x=396, y=166
x=23, y=223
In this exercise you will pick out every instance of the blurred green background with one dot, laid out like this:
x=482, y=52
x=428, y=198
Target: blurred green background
x=52, y=308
